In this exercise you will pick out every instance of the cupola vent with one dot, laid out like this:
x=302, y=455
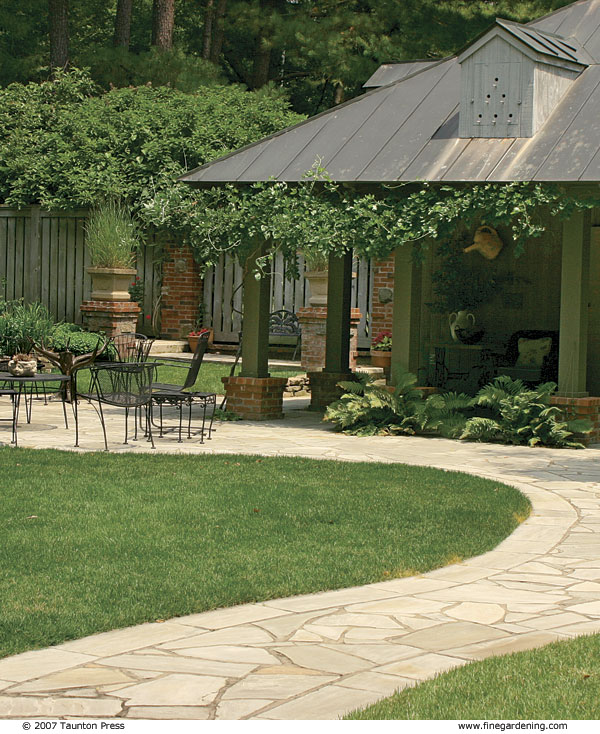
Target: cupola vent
x=512, y=78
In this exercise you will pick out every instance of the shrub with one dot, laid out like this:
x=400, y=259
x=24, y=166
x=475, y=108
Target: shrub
x=22, y=325
x=522, y=416
x=72, y=337
x=519, y=415
x=367, y=409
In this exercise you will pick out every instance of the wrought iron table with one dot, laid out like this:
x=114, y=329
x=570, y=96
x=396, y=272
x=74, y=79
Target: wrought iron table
x=24, y=386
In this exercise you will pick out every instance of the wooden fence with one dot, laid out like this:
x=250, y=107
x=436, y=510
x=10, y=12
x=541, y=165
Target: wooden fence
x=43, y=257
x=223, y=296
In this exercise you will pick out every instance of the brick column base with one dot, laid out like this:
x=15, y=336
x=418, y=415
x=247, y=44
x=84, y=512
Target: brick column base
x=255, y=398
x=324, y=389
x=111, y=317
x=314, y=326
x=575, y=408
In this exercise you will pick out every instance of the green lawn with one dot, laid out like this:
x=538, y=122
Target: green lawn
x=209, y=377
x=559, y=681
x=93, y=542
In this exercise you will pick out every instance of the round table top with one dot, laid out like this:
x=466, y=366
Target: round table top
x=38, y=377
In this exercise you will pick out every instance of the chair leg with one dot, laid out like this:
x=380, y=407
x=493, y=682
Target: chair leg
x=101, y=415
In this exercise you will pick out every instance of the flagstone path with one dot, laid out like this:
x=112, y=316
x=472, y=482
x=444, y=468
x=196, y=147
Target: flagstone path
x=320, y=655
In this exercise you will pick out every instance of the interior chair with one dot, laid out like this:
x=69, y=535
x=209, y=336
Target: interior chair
x=180, y=395
x=531, y=355
x=125, y=385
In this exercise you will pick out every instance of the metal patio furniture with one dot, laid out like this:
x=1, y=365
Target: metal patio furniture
x=132, y=347
x=182, y=395
x=125, y=385
x=15, y=396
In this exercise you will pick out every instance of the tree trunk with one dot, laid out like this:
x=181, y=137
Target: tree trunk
x=218, y=31
x=207, y=32
x=163, y=18
x=58, y=15
x=123, y=23
x=262, y=50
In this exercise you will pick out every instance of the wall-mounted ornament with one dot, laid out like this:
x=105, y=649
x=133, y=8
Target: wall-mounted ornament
x=487, y=242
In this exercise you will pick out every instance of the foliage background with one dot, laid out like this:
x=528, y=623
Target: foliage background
x=317, y=53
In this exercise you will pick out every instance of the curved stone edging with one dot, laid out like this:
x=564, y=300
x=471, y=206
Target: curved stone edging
x=319, y=655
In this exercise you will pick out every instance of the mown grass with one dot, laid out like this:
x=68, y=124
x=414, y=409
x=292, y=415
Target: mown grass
x=558, y=681
x=93, y=542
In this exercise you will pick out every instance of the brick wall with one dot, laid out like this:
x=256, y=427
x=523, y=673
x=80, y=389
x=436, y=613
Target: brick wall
x=181, y=292
x=576, y=408
x=383, y=282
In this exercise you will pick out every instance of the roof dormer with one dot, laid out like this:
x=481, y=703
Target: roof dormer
x=512, y=78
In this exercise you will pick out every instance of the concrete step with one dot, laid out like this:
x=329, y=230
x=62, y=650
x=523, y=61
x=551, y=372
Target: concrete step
x=169, y=346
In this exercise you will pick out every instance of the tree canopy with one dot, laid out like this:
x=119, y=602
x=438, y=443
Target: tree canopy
x=64, y=143
x=318, y=53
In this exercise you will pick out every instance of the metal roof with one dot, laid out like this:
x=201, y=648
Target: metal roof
x=408, y=130
x=388, y=73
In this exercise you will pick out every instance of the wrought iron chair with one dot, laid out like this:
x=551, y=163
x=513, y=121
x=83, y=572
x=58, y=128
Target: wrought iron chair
x=179, y=396
x=14, y=399
x=131, y=347
x=123, y=385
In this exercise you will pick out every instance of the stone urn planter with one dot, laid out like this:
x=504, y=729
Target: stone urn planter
x=317, y=280
x=111, y=284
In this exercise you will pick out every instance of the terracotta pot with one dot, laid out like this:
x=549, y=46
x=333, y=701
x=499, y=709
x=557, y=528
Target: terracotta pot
x=193, y=340
x=111, y=284
x=380, y=358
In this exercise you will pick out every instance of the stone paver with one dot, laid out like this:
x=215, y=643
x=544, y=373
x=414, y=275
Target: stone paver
x=321, y=655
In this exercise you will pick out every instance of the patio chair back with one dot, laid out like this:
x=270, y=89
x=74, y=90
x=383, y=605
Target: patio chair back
x=192, y=374
x=132, y=347
x=125, y=385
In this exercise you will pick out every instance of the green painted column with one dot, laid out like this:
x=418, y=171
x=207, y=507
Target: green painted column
x=339, y=301
x=257, y=306
x=406, y=325
x=574, y=298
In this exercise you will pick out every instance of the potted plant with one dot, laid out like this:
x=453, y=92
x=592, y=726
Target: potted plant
x=193, y=337
x=381, y=350
x=200, y=329
x=112, y=239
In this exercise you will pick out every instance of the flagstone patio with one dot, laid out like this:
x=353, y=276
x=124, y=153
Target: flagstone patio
x=320, y=655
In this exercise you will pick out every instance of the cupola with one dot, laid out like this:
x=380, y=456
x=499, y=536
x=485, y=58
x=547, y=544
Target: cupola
x=512, y=78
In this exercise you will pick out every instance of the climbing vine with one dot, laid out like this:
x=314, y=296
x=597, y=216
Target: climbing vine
x=321, y=216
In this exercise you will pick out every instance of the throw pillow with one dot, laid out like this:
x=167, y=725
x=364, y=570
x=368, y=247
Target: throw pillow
x=533, y=351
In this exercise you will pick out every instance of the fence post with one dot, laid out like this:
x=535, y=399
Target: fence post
x=32, y=259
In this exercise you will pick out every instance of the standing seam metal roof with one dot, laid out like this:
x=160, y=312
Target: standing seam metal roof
x=408, y=130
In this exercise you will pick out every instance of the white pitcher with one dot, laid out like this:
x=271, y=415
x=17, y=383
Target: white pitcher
x=460, y=320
